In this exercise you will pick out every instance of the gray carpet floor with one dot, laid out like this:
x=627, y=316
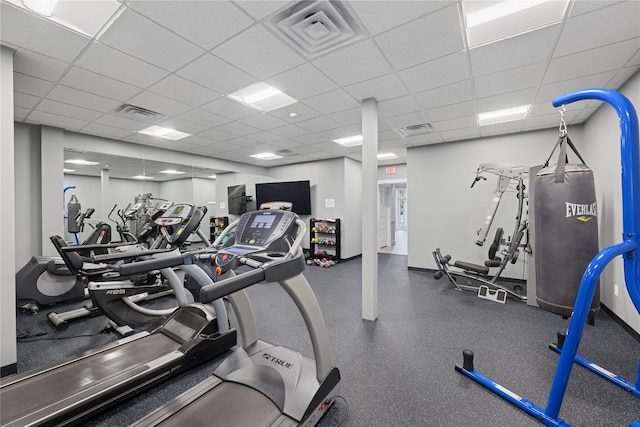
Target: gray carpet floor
x=399, y=369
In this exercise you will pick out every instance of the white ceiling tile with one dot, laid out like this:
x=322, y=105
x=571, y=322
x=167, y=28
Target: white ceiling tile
x=452, y=111
x=349, y=117
x=25, y=100
x=20, y=113
x=548, y=120
x=259, y=51
x=427, y=139
x=398, y=106
x=82, y=99
x=226, y=107
x=585, y=6
x=107, y=61
x=406, y=120
x=40, y=35
x=549, y=91
x=40, y=117
x=396, y=143
x=88, y=81
x=387, y=135
x=445, y=95
x=286, y=143
x=635, y=60
x=106, y=131
x=266, y=137
x=430, y=37
x=216, y=135
x=160, y=104
x=290, y=131
x=381, y=88
x=258, y=9
x=263, y=121
x=182, y=125
x=457, y=123
x=203, y=117
x=36, y=65
x=364, y=59
x=378, y=16
x=61, y=109
x=197, y=140
x=144, y=39
x=336, y=100
x=318, y=124
x=215, y=74
x=30, y=85
x=592, y=61
x=583, y=115
x=506, y=100
x=440, y=72
x=460, y=134
x=514, y=52
x=121, y=123
x=184, y=91
x=238, y=128
x=205, y=23
x=511, y=80
x=547, y=108
x=622, y=76
x=599, y=28
x=302, y=82
x=502, y=128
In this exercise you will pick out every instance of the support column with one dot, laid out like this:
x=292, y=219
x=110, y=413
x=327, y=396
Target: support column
x=8, y=353
x=370, y=209
x=104, y=187
x=52, y=149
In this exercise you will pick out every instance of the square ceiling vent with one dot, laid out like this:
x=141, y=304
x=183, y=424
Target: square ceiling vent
x=415, y=130
x=140, y=114
x=316, y=27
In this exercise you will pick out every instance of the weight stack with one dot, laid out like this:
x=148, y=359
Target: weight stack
x=566, y=235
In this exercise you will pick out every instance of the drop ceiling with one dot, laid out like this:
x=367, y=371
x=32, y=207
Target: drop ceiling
x=181, y=59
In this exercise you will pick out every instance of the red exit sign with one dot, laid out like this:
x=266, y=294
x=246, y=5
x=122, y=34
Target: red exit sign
x=390, y=170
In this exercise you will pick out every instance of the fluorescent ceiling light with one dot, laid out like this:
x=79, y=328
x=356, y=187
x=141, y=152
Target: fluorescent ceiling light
x=84, y=17
x=142, y=177
x=65, y=170
x=42, y=7
x=487, y=22
x=266, y=156
x=387, y=156
x=502, y=116
x=165, y=133
x=81, y=162
x=350, y=141
x=212, y=176
x=172, y=172
x=262, y=97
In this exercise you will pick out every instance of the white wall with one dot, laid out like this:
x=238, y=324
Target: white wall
x=446, y=213
x=401, y=172
x=352, y=225
x=602, y=132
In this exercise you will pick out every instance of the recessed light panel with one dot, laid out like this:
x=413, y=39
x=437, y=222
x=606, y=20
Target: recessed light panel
x=387, y=156
x=266, y=156
x=165, y=133
x=502, y=116
x=142, y=177
x=65, y=170
x=488, y=21
x=172, y=172
x=81, y=162
x=350, y=141
x=262, y=97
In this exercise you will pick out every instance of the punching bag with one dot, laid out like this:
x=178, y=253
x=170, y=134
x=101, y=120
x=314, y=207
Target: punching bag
x=566, y=230
x=73, y=210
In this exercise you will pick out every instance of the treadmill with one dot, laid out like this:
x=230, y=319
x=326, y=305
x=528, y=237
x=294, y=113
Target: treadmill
x=72, y=391
x=261, y=383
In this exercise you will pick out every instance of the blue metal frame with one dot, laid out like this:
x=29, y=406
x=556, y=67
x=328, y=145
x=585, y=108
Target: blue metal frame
x=629, y=249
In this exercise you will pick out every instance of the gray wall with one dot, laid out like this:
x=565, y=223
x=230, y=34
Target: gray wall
x=401, y=172
x=602, y=133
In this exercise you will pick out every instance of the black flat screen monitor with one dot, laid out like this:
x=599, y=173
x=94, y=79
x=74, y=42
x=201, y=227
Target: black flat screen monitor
x=296, y=192
x=237, y=199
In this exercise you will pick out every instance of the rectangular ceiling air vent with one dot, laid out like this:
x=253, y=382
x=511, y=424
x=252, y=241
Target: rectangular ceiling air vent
x=316, y=27
x=138, y=113
x=415, y=130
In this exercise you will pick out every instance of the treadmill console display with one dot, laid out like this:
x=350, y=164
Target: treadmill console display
x=176, y=214
x=261, y=228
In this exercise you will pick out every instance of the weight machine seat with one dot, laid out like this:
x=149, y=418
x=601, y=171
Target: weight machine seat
x=468, y=266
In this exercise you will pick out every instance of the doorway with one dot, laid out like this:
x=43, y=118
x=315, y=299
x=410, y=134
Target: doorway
x=392, y=217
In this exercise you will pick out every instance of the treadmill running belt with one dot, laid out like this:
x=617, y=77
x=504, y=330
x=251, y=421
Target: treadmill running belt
x=229, y=405
x=81, y=379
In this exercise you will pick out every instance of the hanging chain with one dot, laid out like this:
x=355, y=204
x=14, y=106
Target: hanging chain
x=563, y=124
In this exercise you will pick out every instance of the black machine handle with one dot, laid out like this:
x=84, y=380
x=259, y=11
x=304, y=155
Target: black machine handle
x=230, y=285
x=149, y=265
x=78, y=248
x=476, y=179
x=128, y=255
